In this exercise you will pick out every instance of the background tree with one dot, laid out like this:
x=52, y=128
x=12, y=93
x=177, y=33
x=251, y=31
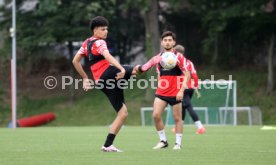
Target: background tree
x=51, y=23
x=235, y=25
x=149, y=11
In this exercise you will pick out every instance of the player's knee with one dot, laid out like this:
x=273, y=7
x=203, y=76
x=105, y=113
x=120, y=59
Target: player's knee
x=177, y=119
x=156, y=116
x=187, y=105
x=124, y=114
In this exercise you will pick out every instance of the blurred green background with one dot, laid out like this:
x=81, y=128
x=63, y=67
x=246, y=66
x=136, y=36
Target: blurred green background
x=221, y=37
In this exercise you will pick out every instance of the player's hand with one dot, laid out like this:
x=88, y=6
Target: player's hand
x=198, y=95
x=121, y=74
x=86, y=84
x=179, y=96
x=136, y=70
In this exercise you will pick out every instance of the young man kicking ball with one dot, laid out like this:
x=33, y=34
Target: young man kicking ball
x=169, y=91
x=104, y=68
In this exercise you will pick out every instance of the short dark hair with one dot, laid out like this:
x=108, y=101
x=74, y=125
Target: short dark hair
x=168, y=33
x=98, y=21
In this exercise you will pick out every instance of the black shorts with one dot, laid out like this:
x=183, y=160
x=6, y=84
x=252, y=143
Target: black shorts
x=170, y=100
x=113, y=92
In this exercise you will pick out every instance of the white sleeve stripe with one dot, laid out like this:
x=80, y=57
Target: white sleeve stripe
x=81, y=51
x=102, y=49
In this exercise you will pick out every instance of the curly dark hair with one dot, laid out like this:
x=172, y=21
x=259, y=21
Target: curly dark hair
x=98, y=21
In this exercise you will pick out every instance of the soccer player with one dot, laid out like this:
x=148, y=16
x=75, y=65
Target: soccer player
x=188, y=94
x=104, y=67
x=169, y=90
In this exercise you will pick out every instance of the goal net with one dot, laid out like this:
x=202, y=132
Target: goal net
x=217, y=105
x=219, y=99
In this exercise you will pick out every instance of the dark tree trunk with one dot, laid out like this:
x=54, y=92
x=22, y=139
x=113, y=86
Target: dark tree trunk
x=152, y=39
x=270, y=67
x=215, y=55
x=72, y=72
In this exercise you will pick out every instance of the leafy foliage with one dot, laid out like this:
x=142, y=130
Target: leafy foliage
x=53, y=22
x=241, y=20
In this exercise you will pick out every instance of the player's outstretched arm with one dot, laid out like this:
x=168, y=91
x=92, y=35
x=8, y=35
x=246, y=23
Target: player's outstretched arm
x=152, y=62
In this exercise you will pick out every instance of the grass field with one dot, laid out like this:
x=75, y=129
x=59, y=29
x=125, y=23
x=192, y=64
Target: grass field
x=240, y=145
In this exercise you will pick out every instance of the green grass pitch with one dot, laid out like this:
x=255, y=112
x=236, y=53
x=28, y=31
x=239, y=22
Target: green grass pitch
x=241, y=145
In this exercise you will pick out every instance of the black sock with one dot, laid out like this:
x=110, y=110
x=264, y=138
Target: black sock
x=109, y=140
